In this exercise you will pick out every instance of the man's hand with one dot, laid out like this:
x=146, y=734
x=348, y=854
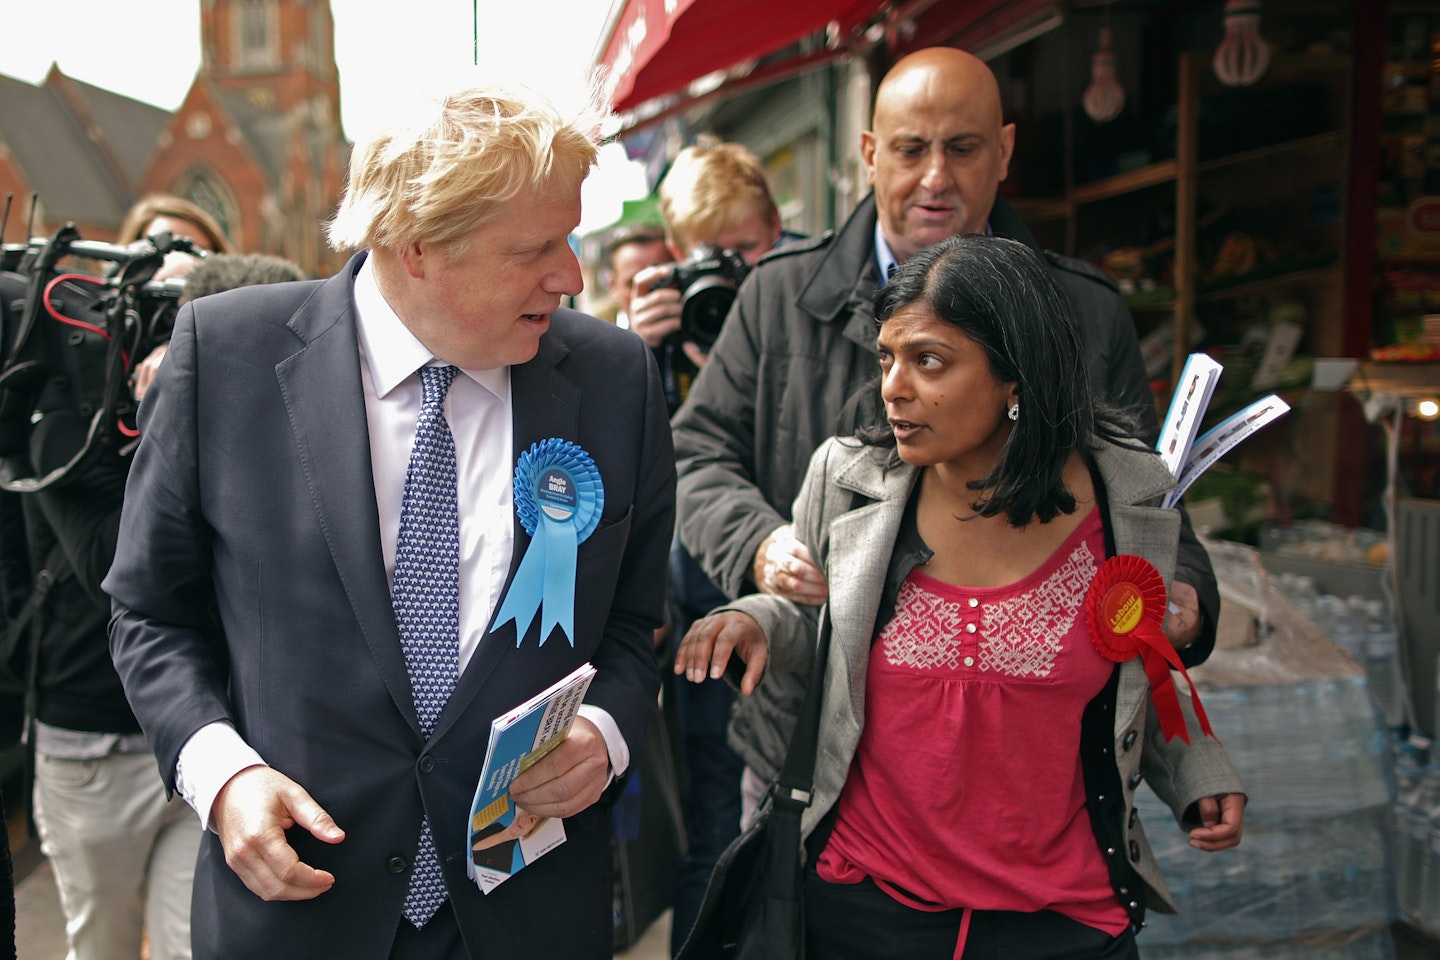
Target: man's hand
x=695, y=355
x=654, y=314
x=1222, y=821
x=570, y=778
x=783, y=566
x=1182, y=620
x=251, y=814
x=145, y=371
x=705, y=651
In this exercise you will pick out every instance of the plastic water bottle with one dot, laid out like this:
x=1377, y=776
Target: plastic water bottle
x=1306, y=597
x=1428, y=911
x=1343, y=626
x=1415, y=842
x=1382, y=661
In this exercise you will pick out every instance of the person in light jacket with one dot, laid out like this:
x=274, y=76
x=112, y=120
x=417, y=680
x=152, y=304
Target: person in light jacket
x=979, y=753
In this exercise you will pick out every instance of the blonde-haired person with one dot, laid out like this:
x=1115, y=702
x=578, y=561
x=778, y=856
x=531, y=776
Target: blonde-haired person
x=714, y=193
x=327, y=463
x=717, y=193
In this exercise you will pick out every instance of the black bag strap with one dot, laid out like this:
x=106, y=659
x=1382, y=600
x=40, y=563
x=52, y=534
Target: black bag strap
x=792, y=790
x=56, y=571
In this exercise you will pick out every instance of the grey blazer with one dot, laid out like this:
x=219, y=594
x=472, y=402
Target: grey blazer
x=853, y=547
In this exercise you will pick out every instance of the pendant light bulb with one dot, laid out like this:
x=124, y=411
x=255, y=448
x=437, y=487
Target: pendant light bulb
x=1243, y=56
x=1104, y=98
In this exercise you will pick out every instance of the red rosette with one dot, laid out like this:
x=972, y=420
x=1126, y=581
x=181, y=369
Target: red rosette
x=1124, y=610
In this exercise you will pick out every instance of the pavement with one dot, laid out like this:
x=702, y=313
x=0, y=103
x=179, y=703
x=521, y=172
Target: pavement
x=40, y=926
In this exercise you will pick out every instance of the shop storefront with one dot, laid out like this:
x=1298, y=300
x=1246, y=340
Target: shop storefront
x=1265, y=188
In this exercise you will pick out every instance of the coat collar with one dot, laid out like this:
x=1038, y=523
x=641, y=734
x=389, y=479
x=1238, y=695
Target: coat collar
x=847, y=277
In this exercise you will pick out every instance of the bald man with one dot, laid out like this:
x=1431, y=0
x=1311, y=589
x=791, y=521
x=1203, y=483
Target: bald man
x=800, y=343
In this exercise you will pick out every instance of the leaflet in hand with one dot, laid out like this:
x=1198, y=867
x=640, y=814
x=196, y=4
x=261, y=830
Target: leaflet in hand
x=504, y=839
x=1188, y=457
x=1224, y=437
x=1187, y=409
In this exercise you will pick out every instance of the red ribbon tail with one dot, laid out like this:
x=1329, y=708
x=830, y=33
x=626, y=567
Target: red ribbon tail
x=1199, y=707
x=1160, y=658
x=1162, y=692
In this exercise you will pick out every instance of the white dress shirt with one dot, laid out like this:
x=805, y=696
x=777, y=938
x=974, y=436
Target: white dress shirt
x=479, y=410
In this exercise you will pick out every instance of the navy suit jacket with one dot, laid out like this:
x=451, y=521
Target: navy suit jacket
x=249, y=587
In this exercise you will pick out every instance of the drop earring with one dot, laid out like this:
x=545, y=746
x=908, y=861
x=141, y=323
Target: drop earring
x=1014, y=412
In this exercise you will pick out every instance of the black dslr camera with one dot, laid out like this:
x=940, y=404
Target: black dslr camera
x=707, y=281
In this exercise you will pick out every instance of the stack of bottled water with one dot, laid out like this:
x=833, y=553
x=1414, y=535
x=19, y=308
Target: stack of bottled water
x=1366, y=629
x=1315, y=875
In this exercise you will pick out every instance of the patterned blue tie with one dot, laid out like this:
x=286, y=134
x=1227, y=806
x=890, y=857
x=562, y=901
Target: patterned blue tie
x=426, y=596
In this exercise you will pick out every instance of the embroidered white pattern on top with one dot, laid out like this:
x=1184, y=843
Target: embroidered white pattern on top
x=925, y=631
x=1022, y=636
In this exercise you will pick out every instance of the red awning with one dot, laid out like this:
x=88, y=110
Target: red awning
x=660, y=46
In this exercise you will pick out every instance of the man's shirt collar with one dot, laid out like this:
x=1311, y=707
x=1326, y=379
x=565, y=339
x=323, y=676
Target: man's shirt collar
x=392, y=352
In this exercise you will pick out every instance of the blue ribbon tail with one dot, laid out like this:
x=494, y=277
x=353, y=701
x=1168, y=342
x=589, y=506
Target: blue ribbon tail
x=523, y=599
x=559, y=607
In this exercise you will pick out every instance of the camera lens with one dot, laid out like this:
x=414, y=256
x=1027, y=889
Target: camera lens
x=703, y=312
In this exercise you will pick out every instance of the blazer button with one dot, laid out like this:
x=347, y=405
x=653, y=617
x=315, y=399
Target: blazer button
x=1134, y=851
x=427, y=763
x=1135, y=779
x=1129, y=740
x=397, y=865
x=1134, y=817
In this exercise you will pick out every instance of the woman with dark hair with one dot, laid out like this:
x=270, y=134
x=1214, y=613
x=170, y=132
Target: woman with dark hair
x=163, y=212
x=980, y=746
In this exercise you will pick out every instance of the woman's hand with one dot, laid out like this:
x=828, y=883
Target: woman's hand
x=705, y=651
x=1222, y=821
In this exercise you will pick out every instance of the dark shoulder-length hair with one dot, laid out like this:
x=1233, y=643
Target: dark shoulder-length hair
x=1000, y=294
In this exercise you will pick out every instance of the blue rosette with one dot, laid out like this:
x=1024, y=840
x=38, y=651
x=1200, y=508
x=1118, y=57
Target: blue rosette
x=558, y=498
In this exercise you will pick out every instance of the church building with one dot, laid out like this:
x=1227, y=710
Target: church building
x=256, y=142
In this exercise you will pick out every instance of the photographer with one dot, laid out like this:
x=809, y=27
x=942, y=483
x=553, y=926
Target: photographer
x=123, y=855
x=719, y=219
x=714, y=195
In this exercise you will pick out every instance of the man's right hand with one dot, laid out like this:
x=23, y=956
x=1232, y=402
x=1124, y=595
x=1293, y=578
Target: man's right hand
x=783, y=566
x=654, y=314
x=251, y=814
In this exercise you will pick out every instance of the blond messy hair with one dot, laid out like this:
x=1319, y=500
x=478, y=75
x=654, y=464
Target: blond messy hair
x=710, y=188
x=439, y=179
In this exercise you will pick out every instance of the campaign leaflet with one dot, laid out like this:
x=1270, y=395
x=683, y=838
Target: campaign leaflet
x=503, y=839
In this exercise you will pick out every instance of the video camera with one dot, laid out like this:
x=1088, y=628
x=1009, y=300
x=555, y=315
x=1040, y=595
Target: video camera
x=68, y=343
x=707, y=281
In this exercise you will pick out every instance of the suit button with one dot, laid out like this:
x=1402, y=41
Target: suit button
x=1135, y=779
x=427, y=763
x=1134, y=817
x=1134, y=851
x=1129, y=740
x=397, y=865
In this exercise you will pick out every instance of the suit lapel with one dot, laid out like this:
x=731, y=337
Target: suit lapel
x=326, y=406
x=1132, y=478
x=546, y=404
x=861, y=543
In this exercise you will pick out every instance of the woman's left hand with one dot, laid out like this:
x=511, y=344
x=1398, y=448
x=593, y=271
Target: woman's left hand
x=1182, y=620
x=1222, y=819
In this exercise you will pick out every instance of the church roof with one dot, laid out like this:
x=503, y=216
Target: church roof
x=130, y=127
x=49, y=144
